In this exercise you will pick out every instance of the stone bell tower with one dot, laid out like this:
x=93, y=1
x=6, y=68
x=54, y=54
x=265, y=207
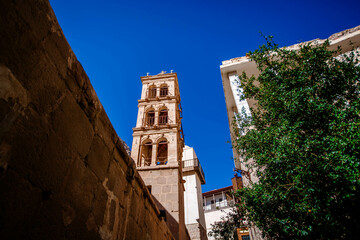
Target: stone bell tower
x=158, y=144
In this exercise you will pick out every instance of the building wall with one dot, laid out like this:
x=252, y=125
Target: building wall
x=194, y=212
x=64, y=172
x=164, y=187
x=214, y=216
x=191, y=199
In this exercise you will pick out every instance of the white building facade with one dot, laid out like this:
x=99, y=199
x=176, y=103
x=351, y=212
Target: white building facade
x=217, y=204
x=193, y=177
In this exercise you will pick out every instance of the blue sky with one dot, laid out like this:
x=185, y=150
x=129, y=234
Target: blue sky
x=119, y=41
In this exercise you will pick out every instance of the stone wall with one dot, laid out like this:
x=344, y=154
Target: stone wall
x=196, y=231
x=164, y=187
x=64, y=172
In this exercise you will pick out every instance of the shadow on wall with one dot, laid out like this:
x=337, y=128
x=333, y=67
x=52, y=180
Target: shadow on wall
x=64, y=173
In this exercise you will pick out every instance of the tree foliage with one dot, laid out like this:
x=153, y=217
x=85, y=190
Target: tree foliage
x=225, y=229
x=303, y=141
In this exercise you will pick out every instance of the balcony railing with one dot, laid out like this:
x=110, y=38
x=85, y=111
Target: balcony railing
x=218, y=205
x=159, y=121
x=196, y=164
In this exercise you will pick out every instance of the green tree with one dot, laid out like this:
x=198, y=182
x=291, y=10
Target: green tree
x=303, y=141
x=225, y=229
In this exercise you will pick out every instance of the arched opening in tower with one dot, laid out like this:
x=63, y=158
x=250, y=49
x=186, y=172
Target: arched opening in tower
x=152, y=92
x=163, y=117
x=150, y=118
x=164, y=91
x=146, y=153
x=162, y=153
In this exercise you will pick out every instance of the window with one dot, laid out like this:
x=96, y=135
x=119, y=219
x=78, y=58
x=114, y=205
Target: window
x=150, y=118
x=245, y=237
x=164, y=91
x=162, y=153
x=152, y=92
x=146, y=152
x=163, y=117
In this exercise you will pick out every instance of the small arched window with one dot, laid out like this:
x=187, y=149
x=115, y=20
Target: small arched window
x=150, y=118
x=146, y=153
x=152, y=91
x=164, y=91
x=163, y=117
x=162, y=153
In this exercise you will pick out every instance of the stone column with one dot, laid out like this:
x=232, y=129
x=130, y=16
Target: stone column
x=153, y=154
x=156, y=119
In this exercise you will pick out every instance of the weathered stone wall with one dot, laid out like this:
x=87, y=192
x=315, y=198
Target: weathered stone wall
x=196, y=231
x=64, y=173
x=164, y=187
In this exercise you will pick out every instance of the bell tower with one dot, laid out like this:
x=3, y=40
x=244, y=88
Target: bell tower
x=158, y=143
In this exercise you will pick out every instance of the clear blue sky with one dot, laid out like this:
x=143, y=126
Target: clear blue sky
x=119, y=41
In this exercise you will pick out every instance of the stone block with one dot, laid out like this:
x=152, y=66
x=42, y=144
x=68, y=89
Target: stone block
x=99, y=205
x=71, y=124
x=154, y=173
x=173, y=179
x=145, y=174
x=80, y=186
x=132, y=231
x=53, y=164
x=104, y=129
x=175, y=206
x=118, y=157
x=161, y=180
x=173, y=197
x=166, y=172
x=162, y=197
x=23, y=147
x=98, y=158
x=117, y=182
x=155, y=189
x=175, y=188
x=167, y=206
x=166, y=189
x=120, y=225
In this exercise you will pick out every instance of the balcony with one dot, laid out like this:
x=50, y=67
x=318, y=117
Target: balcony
x=217, y=205
x=194, y=164
x=152, y=122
